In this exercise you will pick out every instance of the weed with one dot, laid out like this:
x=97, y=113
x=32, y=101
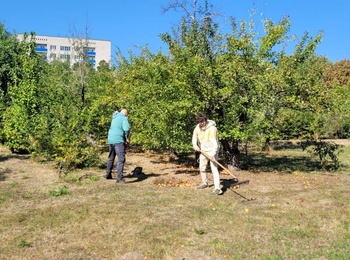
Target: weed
x=8, y=194
x=72, y=177
x=219, y=244
x=337, y=255
x=24, y=243
x=25, y=195
x=62, y=191
x=94, y=178
x=14, y=183
x=199, y=231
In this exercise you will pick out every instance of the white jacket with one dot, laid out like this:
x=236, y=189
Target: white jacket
x=206, y=138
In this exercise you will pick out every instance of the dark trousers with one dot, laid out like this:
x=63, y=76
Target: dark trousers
x=119, y=151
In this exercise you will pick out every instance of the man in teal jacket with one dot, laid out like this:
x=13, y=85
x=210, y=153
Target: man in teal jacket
x=118, y=137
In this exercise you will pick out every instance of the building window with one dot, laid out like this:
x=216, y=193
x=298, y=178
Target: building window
x=64, y=48
x=64, y=57
x=43, y=56
x=41, y=45
x=53, y=47
x=41, y=48
x=52, y=55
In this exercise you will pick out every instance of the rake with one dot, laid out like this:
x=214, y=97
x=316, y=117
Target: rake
x=236, y=183
x=224, y=168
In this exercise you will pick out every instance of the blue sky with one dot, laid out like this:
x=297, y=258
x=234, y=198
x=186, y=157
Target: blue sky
x=131, y=24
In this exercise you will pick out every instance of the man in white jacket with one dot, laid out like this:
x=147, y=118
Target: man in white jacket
x=205, y=138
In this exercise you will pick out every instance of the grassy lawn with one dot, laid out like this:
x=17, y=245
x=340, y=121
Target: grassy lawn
x=297, y=211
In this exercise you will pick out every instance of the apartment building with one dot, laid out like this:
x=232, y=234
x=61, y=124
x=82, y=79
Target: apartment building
x=72, y=50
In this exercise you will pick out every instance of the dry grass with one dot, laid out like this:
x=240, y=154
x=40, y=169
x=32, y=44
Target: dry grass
x=295, y=214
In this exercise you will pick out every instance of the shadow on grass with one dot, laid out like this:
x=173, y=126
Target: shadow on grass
x=4, y=158
x=3, y=173
x=140, y=177
x=185, y=160
x=2, y=176
x=259, y=162
x=284, y=164
x=193, y=172
x=286, y=145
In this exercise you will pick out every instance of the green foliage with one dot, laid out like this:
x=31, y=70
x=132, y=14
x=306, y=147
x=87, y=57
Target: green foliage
x=101, y=100
x=25, y=99
x=199, y=231
x=294, y=124
x=337, y=119
x=14, y=183
x=249, y=85
x=61, y=191
x=9, y=51
x=94, y=178
x=159, y=103
x=325, y=151
x=24, y=243
x=47, y=117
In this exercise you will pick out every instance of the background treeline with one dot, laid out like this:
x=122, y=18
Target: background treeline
x=247, y=83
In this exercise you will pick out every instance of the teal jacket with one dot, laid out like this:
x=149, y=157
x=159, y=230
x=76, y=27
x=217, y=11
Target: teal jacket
x=119, y=129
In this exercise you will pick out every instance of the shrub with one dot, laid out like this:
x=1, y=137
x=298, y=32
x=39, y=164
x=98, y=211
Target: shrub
x=324, y=151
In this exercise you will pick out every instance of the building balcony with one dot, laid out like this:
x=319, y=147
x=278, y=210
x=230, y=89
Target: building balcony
x=92, y=53
x=40, y=49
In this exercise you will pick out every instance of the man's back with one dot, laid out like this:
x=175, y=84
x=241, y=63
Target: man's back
x=119, y=129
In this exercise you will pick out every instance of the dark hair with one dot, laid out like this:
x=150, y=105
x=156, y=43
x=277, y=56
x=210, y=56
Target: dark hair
x=200, y=117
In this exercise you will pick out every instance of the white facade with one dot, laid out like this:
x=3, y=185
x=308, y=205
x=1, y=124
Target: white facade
x=64, y=49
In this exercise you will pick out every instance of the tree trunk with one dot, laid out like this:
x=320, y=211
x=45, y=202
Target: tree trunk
x=231, y=153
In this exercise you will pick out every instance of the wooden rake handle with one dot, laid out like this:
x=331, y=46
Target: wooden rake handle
x=214, y=160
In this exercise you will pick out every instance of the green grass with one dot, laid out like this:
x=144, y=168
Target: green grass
x=64, y=190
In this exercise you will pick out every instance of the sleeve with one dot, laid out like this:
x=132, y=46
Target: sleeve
x=213, y=139
x=195, y=139
x=126, y=127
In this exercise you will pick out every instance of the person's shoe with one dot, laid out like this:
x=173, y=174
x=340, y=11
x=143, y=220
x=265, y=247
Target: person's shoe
x=217, y=192
x=202, y=186
x=120, y=182
x=107, y=177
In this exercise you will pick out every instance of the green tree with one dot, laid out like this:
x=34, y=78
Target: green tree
x=159, y=107
x=101, y=101
x=19, y=119
x=246, y=82
x=163, y=93
x=46, y=116
x=241, y=81
x=9, y=49
x=337, y=121
x=67, y=120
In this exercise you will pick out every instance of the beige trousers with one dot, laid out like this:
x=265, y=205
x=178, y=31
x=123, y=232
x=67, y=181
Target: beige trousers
x=203, y=161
